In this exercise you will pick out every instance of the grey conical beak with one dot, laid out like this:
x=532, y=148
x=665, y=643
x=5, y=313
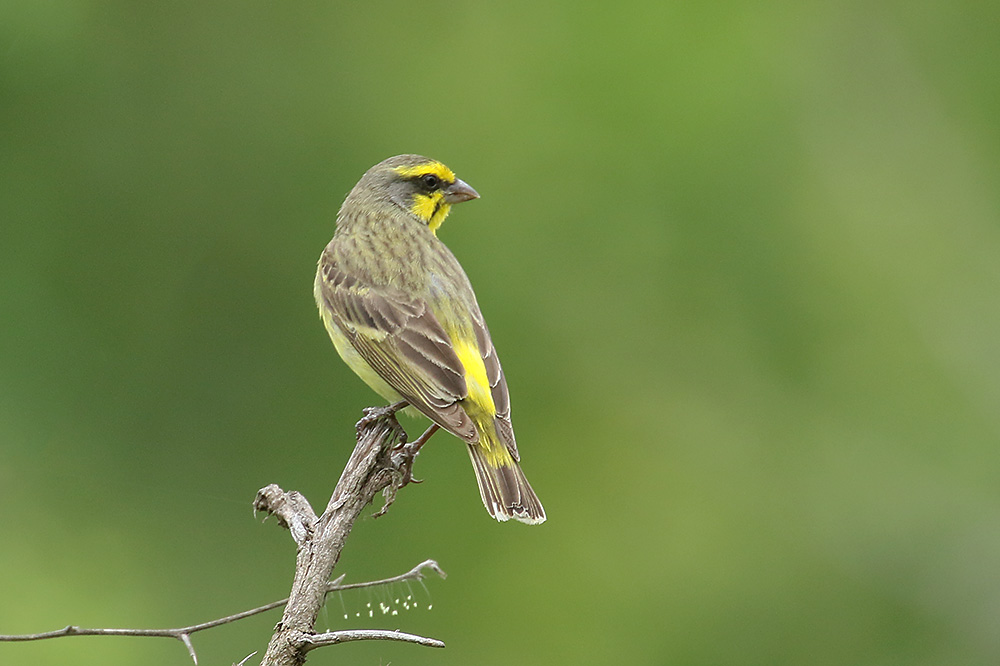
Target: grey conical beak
x=459, y=191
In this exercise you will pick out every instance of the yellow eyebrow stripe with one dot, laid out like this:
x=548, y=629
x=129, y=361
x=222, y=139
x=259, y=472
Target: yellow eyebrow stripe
x=436, y=168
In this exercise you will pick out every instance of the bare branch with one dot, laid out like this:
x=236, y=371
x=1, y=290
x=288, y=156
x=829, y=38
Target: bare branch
x=334, y=637
x=381, y=461
x=183, y=634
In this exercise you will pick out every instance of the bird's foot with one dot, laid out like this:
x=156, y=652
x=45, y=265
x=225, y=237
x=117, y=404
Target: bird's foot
x=408, y=454
x=404, y=454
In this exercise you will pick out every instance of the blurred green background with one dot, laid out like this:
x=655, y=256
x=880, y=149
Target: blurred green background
x=741, y=261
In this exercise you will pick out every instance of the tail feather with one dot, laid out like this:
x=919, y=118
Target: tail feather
x=504, y=489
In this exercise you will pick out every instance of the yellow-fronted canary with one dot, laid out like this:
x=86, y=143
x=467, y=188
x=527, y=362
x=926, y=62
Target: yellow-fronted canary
x=402, y=314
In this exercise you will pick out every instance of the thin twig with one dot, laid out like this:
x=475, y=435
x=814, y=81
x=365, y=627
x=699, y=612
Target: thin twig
x=246, y=658
x=416, y=573
x=334, y=637
x=183, y=634
x=186, y=639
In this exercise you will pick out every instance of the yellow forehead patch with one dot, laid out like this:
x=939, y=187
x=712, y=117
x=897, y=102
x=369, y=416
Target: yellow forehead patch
x=436, y=168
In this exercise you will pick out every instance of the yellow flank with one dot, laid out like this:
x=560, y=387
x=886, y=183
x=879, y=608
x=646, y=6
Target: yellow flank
x=436, y=168
x=482, y=408
x=480, y=393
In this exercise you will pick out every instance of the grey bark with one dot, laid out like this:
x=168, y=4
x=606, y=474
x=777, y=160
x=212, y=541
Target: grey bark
x=381, y=461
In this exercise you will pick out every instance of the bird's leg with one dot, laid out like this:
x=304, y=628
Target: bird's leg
x=407, y=452
x=403, y=455
x=414, y=448
x=396, y=406
x=410, y=451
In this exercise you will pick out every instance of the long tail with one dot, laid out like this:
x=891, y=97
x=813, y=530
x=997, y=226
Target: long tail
x=505, y=492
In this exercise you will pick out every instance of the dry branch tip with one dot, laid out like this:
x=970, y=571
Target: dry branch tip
x=291, y=509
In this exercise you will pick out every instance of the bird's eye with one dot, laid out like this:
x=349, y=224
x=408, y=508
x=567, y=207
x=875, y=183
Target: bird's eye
x=430, y=181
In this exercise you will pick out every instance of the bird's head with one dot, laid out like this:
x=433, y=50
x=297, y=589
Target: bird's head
x=421, y=186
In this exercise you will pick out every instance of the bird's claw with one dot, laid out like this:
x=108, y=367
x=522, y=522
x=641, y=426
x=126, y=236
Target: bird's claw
x=403, y=456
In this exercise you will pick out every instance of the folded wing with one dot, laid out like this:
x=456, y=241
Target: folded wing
x=402, y=340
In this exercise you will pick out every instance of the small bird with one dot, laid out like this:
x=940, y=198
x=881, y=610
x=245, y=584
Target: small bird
x=402, y=314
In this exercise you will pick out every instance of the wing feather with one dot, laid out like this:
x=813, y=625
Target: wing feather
x=402, y=340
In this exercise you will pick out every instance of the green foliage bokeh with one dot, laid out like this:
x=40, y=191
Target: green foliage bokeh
x=741, y=262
